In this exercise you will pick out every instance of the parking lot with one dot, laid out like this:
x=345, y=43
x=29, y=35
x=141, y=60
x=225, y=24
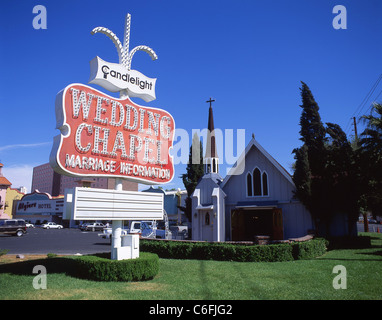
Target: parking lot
x=64, y=241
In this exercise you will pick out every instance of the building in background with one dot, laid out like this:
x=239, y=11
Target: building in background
x=45, y=179
x=10, y=199
x=4, y=185
x=172, y=200
x=39, y=207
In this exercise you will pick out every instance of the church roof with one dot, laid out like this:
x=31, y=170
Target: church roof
x=241, y=162
x=211, y=144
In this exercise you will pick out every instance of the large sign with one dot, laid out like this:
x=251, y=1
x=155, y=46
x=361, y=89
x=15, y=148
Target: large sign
x=53, y=206
x=115, y=77
x=94, y=204
x=110, y=137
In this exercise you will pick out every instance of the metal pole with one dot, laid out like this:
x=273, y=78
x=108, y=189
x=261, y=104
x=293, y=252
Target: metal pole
x=117, y=226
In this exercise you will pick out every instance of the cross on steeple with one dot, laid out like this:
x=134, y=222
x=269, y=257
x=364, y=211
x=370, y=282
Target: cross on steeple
x=210, y=101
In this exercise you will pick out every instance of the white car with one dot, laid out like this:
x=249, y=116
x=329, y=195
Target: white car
x=29, y=225
x=52, y=225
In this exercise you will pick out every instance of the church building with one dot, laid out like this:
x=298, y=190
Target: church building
x=254, y=199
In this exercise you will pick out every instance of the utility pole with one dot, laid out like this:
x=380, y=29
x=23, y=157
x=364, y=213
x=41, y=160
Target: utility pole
x=355, y=129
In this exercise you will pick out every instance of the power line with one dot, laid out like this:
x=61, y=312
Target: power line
x=363, y=103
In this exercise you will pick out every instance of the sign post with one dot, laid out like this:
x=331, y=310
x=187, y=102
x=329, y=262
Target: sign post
x=103, y=136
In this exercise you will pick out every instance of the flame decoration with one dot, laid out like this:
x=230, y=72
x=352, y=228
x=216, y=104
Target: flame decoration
x=125, y=57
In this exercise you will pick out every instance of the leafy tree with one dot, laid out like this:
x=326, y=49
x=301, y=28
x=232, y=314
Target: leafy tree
x=195, y=170
x=371, y=159
x=343, y=175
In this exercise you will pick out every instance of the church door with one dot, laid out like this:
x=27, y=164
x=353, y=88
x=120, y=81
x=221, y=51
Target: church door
x=278, y=233
x=207, y=226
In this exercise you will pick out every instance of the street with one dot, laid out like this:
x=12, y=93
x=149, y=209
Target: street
x=372, y=227
x=64, y=241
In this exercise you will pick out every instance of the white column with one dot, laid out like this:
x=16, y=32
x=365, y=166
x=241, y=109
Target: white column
x=117, y=226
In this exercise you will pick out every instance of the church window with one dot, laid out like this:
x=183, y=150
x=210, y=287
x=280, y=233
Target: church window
x=249, y=185
x=265, y=184
x=256, y=182
x=207, y=219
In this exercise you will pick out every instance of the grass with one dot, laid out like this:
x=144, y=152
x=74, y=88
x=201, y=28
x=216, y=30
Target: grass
x=206, y=280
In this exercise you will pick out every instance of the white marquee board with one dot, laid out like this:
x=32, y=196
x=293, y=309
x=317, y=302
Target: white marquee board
x=103, y=204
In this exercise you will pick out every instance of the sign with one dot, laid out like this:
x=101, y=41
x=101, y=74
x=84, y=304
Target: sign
x=110, y=137
x=39, y=206
x=103, y=204
x=115, y=77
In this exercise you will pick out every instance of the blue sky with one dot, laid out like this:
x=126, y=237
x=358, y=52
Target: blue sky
x=249, y=55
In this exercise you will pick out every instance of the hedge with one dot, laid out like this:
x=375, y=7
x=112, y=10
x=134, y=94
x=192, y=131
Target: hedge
x=103, y=269
x=235, y=252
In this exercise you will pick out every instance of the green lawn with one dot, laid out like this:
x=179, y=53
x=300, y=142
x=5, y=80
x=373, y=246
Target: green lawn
x=199, y=279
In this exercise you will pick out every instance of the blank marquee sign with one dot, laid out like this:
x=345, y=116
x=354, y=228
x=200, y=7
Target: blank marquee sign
x=100, y=204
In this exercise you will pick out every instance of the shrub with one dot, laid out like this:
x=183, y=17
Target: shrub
x=103, y=269
x=3, y=252
x=309, y=249
x=218, y=251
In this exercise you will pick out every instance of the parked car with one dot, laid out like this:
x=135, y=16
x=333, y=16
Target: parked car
x=29, y=225
x=52, y=225
x=16, y=227
x=370, y=220
x=82, y=226
x=95, y=226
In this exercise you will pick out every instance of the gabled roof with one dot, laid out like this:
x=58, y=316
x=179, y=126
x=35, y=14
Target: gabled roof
x=241, y=162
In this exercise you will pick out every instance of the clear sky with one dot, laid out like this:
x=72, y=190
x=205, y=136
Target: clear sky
x=248, y=55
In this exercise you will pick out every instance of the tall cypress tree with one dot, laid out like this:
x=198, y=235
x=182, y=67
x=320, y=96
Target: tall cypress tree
x=312, y=130
x=310, y=159
x=195, y=170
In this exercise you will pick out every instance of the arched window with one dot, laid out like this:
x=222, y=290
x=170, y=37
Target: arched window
x=207, y=219
x=249, y=185
x=256, y=182
x=265, y=184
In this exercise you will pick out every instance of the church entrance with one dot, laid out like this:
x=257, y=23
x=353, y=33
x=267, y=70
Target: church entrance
x=249, y=223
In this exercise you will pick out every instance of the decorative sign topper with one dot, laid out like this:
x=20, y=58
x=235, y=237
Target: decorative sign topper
x=118, y=77
x=110, y=137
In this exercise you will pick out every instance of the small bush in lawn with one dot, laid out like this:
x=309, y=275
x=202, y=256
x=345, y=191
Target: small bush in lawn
x=103, y=269
x=3, y=252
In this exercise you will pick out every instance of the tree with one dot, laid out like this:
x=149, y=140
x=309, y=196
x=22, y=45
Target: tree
x=327, y=172
x=343, y=175
x=195, y=170
x=310, y=160
x=371, y=158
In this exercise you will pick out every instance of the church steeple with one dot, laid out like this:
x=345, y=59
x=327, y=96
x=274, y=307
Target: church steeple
x=211, y=160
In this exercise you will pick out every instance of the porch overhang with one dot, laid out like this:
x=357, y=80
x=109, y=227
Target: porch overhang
x=256, y=205
x=206, y=207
